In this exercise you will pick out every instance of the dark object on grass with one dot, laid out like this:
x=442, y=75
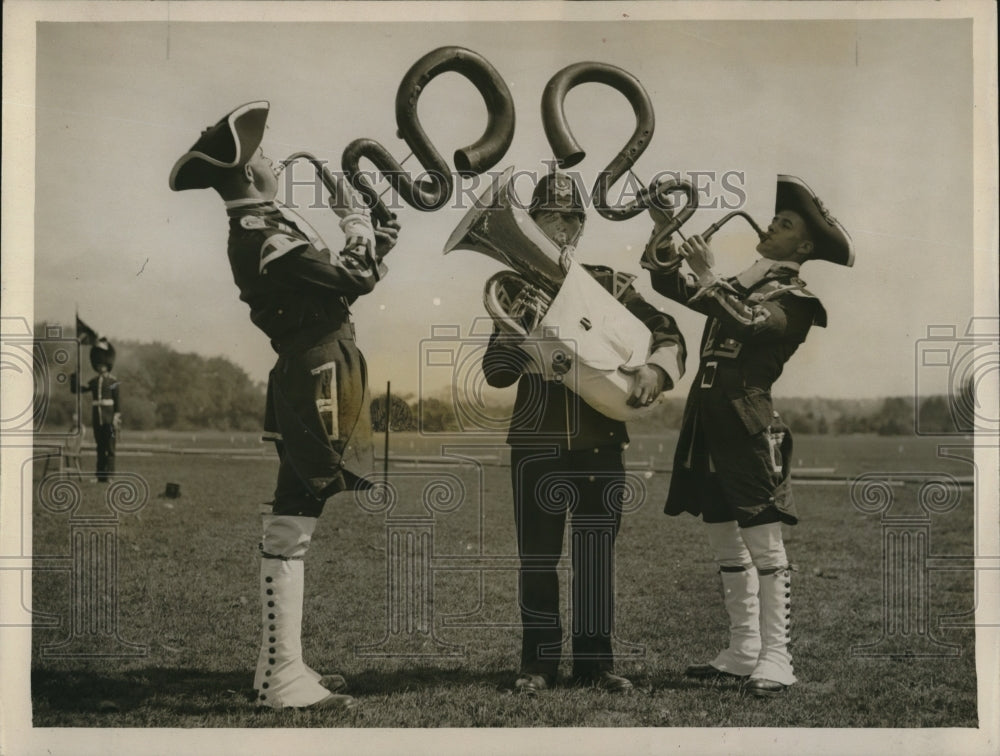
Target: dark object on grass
x=708, y=672
x=173, y=490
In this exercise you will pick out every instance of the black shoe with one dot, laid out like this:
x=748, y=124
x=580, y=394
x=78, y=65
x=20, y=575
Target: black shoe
x=335, y=701
x=607, y=681
x=764, y=688
x=333, y=683
x=708, y=672
x=529, y=684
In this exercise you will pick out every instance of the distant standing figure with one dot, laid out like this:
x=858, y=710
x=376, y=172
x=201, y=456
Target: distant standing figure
x=732, y=463
x=105, y=417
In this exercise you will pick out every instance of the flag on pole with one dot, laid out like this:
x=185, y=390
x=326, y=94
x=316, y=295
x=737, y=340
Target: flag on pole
x=84, y=333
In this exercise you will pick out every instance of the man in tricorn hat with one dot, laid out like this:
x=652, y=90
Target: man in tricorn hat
x=106, y=415
x=731, y=465
x=299, y=293
x=558, y=438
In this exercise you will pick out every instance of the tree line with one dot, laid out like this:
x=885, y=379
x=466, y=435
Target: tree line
x=161, y=388
x=166, y=389
x=891, y=416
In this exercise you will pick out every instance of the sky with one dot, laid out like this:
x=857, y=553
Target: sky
x=876, y=116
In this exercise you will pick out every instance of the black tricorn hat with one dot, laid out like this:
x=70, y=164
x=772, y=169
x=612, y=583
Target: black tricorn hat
x=102, y=353
x=228, y=144
x=830, y=239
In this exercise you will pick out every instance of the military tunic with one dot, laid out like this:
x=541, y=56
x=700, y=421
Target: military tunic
x=299, y=293
x=104, y=390
x=733, y=453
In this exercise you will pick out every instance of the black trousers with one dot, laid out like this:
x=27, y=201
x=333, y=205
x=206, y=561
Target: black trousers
x=588, y=485
x=104, y=437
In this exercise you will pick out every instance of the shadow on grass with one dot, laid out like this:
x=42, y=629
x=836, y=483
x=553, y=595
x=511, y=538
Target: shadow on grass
x=382, y=682
x=82, y=691
x=193, y=691
x=677, y=682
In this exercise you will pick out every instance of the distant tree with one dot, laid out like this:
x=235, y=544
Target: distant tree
x=934, y=415
x=895, y=417
x=141, y=414
x=802, y=423
x=437, y=416
x=399, y=417
x=162, y=388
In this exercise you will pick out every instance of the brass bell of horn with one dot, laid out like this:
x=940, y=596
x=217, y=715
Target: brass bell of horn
x=498, y=226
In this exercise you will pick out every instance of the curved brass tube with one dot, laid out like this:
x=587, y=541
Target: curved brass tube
x=567, y=150
x=650, y=260
x=433, y=192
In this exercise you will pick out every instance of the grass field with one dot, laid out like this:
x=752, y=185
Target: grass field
x=186, y=592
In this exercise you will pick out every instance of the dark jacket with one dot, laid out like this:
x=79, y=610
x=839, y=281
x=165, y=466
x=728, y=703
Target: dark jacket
x=105, y=397
x=546, y=412
x=299, y=293
x=749, y=336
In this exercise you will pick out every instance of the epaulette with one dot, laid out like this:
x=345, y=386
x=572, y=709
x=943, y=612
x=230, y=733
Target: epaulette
x=800, y=289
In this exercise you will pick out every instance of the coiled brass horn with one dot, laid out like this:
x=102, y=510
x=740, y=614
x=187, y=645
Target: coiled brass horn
x=651, y=260
x=434, y=191
x=330, y=181
x=568, y=151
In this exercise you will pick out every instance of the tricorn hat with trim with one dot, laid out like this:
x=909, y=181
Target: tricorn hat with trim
x=830, y=239
x=228, y=144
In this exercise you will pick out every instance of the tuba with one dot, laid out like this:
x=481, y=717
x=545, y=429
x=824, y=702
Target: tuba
x=573, y=330
x=499, y=227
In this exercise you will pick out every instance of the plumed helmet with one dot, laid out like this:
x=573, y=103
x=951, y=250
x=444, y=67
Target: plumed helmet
x=557, y=192
x=102, y=353
x=228, y=144
x=830, y=239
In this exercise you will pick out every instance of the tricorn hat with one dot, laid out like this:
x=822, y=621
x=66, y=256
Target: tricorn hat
x=830, y=239
x=228, y=144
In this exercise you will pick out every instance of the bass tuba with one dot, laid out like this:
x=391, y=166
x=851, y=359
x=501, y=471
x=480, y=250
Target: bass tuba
x=499, y=227
x=572, y=328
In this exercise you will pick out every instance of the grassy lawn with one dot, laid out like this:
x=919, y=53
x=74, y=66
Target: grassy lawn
x=187, y=594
